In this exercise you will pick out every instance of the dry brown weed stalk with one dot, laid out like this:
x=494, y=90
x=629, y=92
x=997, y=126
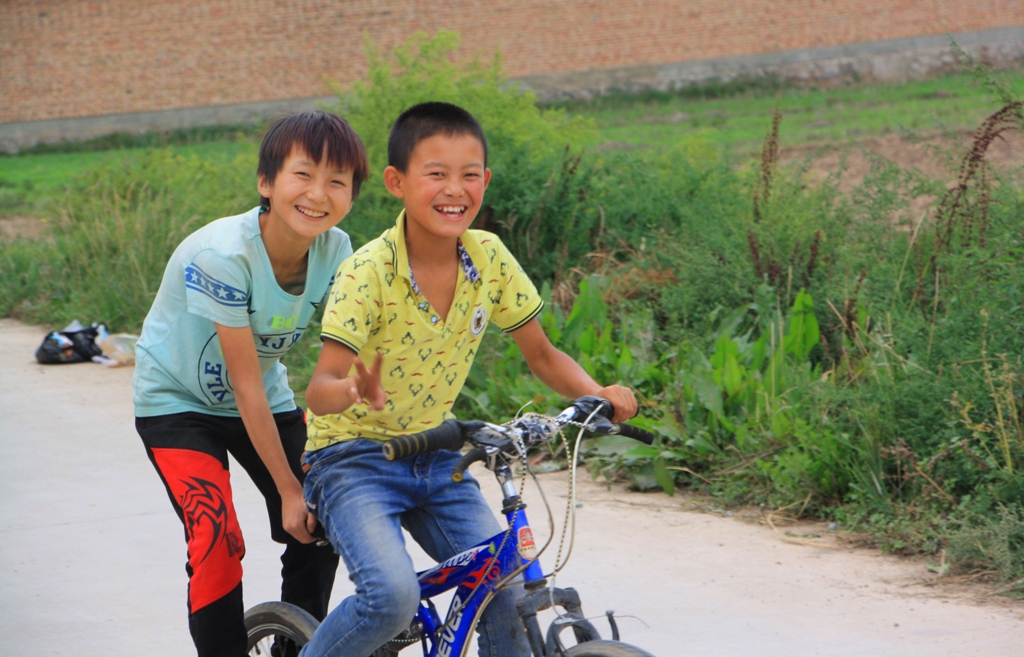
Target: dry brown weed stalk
x=963, y=210
x=769, y=266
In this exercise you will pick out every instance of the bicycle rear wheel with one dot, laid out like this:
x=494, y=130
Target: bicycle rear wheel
x=278, y=629
x=602, y=648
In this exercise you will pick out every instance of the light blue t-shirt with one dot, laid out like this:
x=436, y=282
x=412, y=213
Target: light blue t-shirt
x=221, y=273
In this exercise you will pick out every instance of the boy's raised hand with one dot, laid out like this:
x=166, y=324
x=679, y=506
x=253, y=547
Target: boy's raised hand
x=366, y=386
x=341, y=380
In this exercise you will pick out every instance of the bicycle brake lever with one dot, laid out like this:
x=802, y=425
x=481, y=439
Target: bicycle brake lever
x=602, y=425
x=490, y=439
x=586, y=405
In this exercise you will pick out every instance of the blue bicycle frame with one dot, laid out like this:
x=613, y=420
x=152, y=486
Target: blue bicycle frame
x=475, y=572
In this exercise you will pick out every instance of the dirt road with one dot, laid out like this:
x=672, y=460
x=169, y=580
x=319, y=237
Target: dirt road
x=92, y=557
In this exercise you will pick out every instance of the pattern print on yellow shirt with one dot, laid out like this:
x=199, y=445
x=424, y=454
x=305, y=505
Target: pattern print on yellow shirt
x=374, y=306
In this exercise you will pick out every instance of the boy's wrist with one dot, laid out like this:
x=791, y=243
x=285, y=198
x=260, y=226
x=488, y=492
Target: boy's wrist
x=289, y=488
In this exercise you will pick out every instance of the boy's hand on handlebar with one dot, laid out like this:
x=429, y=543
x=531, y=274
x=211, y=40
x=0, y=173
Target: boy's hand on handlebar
x=365, y=383
x=622, y=400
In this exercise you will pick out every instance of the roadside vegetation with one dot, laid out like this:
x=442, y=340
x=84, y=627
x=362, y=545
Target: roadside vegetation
x=848, y=351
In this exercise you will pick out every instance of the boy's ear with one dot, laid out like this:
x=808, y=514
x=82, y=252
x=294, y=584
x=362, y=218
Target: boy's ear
x=487, y=178
x=394, y=181
x=263, y=187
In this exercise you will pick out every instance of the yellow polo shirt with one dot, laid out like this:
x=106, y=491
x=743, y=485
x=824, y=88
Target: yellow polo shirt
x=375, y=305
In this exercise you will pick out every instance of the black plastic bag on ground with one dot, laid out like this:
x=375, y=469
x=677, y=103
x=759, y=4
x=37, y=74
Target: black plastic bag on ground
x=70, y=346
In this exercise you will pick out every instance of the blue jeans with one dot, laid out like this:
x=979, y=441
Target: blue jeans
x=363, y=502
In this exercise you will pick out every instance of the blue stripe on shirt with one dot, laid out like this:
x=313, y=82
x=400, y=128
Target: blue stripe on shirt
x=224, y=294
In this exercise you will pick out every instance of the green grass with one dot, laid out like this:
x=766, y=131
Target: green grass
x=28, y=181
x=738, y=117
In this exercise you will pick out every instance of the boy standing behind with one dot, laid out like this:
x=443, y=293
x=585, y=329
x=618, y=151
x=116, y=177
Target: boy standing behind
x=415, y=302
x=235, y=296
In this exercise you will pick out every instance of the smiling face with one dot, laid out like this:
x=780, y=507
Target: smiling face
x=443, y=186
x=306, y=198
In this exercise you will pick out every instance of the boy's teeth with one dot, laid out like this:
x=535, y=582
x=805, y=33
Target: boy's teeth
x=311, y=213
x=452, y=209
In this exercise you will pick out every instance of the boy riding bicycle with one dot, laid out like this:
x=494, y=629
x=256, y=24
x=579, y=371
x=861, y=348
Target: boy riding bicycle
x=235, y=296
x=415, y=303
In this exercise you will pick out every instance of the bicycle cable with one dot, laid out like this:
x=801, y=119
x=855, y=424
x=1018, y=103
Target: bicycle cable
x=570, y=512
x=521, y=447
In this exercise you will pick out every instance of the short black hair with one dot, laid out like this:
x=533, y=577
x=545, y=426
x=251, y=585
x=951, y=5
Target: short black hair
x=316, y=132
x=425, y=120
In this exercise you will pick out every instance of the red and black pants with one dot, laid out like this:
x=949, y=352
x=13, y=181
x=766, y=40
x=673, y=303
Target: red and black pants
x=190, y=453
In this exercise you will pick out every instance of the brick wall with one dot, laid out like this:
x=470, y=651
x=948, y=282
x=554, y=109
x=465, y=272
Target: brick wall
x=80, y=58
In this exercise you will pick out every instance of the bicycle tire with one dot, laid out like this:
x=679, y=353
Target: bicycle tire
x=603, y=648
x=268, y=622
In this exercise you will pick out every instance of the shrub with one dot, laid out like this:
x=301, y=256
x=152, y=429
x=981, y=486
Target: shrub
x=989, y=543
x=525, y=142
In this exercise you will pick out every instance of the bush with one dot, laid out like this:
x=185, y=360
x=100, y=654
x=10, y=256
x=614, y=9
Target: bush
x=992, y=543
x=525, y=142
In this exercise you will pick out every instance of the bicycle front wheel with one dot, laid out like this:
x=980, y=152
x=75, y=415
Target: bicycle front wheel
x=278, y=629
x=602, y=648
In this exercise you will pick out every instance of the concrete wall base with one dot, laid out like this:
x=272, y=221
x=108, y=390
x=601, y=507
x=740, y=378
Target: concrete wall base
x=894, y=60
x=24, y=134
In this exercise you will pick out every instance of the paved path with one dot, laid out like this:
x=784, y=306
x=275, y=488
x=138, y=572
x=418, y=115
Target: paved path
x=92, y=557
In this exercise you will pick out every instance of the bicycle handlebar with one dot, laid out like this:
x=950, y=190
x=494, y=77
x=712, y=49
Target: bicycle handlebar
x=447, y=435
x=470, y=457
x=452, y=434
x=636, y=433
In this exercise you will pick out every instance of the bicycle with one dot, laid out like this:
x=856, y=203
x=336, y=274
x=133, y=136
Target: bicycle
x=479, y=572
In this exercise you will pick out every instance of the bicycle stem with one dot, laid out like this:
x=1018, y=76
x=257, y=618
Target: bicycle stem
x=503, y=474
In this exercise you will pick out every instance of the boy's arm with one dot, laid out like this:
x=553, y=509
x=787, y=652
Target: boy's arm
x=332, y=390
x=564, y=375
x=243, y=365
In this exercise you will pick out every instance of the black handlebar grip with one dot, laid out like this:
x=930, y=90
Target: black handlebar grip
x=475, y=454
x=636, y=433
x=447, y=435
